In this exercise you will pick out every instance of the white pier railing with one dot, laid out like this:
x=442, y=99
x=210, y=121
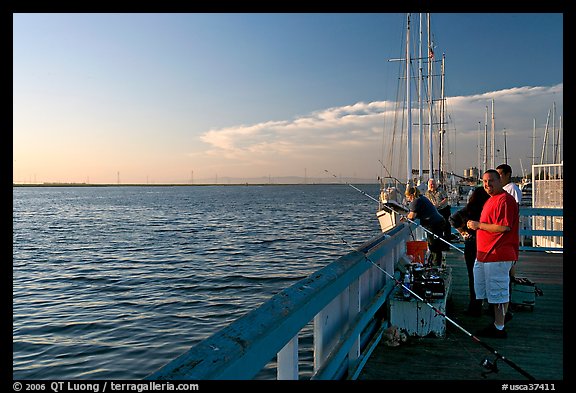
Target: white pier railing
x=341, y=299
x=548, y=192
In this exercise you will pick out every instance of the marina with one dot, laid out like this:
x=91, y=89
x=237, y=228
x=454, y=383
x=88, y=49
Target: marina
x=354, y=303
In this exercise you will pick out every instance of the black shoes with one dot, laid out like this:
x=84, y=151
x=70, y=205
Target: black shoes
x=492, y=332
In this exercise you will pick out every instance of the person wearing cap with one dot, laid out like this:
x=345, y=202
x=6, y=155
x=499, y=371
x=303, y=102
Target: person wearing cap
x=439, y=198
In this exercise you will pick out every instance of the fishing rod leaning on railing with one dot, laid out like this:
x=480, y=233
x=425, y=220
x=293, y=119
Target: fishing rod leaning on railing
x=487, y=364
x=402, y=216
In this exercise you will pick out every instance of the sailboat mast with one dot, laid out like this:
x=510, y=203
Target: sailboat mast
x=505, y=152
x=533, y=141
x=478, y=146
x=485, y=141
x=408, y=106
x=559, y=153
x=442, y=131
x=492, y=139
x=554, y=142
x=420, y=132
x=545, y=140
x=430, y=133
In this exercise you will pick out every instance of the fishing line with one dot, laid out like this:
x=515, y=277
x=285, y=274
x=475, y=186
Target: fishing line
x=487, y=364
x=402, y=216
x=390, y=175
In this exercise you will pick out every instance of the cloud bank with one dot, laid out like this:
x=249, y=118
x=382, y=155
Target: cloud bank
x=351, y=139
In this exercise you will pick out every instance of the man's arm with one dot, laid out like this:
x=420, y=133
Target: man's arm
x=475, y=225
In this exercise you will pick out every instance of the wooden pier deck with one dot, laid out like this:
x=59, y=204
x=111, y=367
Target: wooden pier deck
x=535, y=341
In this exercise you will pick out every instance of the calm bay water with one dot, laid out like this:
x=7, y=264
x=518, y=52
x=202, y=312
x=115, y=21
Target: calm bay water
x=114, y=282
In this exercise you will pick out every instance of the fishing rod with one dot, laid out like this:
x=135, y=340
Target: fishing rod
x=491, y=366
x=402, y=216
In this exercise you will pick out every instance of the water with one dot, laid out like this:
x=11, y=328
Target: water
x=114, y=282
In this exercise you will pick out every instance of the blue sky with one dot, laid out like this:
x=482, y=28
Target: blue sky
x=170, y=97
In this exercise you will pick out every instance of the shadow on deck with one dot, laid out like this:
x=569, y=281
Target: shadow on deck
x=535, y=336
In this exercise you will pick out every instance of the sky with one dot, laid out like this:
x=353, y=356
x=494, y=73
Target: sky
x=204, y=98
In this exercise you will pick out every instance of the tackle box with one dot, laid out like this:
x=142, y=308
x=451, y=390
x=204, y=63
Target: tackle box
x=524, y=292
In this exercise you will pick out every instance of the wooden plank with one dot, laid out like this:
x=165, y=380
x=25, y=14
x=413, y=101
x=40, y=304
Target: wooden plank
x=535, y=337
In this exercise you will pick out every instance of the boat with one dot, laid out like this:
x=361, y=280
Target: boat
x=392, y=203
x=390, y=206
x=526, y=188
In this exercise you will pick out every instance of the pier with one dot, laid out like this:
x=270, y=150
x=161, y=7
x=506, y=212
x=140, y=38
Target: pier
x=346, y=305
x=535, y=341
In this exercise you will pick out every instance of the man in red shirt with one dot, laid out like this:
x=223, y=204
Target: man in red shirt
x=497, y=244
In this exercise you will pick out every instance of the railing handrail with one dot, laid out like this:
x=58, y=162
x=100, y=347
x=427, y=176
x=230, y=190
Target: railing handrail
x=243, y=348
x=541, y=211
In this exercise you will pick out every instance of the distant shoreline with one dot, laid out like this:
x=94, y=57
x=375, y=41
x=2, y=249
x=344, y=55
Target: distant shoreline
x=174, y=184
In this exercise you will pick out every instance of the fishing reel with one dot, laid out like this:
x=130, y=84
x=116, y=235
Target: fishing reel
x=490, y=366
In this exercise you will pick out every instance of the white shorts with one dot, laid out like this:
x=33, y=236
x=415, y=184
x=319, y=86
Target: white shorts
x=492, y=281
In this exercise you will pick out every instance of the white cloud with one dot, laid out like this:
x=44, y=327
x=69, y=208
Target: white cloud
x=355, y=133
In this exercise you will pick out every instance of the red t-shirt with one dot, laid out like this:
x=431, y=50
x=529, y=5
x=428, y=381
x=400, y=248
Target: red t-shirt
x=500, y=209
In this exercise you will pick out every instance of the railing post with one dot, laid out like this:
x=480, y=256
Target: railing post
x=329, y=325
x=287, y=364
x=353, y=311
